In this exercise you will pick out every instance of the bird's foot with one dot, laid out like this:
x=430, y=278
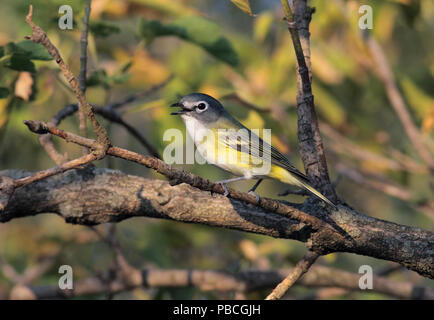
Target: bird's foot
x=225, y=188
x=258, y=198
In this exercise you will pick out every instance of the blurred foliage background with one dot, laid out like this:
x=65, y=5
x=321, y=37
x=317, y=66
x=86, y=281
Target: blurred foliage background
x=215, y=48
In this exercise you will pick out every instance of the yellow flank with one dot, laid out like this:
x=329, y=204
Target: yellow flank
x=285, y=176
x=243, y=164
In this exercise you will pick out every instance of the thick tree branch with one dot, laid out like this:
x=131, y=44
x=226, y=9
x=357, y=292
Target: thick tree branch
x=91, y=196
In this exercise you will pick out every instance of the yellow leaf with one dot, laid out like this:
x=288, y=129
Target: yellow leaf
x=5, y=108
x=116, y=8
x=262, y=26
x=169, y=7
x=244, y=5
x=418, y=100
x=210, y=90
x=428, y=122
x=385, y=21
x=249, y=249
x=145, y=70
x=23, y=86
x=215, y=91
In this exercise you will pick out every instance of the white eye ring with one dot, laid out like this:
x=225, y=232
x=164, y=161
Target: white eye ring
x=201, y=106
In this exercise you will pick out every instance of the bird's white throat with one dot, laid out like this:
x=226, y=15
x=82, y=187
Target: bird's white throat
x=194, y=128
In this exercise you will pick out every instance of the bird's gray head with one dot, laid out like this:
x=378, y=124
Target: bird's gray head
x=200, y=106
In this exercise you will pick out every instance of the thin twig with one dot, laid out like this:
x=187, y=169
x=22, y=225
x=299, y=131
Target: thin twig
x=50, y=149
x=301, y=268
x=110, y=113
x=31, y=273
x=56, y=170
x=310, y=142
x=39, y=36
x=83, y=67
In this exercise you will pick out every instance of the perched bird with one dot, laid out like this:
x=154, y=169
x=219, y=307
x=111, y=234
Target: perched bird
x=202, y=113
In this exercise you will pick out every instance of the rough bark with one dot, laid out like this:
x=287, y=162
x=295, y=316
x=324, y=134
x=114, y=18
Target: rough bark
x=309, y=137
x=92, y=196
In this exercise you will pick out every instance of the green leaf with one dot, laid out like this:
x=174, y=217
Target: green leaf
x=100, y=78
x=244, y=5
x=120, y=78
x=35, y=51
x=18, y=62
x=96, y=78
x=196, y=30
x=11, y=48
x=103, y=29
x=4, y=92
x=18, y=56
x=152, y=29
x=126, y=67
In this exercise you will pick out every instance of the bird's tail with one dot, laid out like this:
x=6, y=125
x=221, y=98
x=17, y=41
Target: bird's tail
x=289, y=178
x=316, y=193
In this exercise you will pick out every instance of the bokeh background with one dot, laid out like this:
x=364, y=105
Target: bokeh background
x=215, y=48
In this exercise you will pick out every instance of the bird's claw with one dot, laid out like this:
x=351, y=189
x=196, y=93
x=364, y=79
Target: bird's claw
x=225, y=189
x=256, y=196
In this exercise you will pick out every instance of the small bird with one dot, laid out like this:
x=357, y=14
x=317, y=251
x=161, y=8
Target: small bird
x=203, y=113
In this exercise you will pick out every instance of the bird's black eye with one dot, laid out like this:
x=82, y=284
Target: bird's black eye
x=201, y=106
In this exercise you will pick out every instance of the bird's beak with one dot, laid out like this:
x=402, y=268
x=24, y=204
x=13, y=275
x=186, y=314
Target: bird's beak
x=180, y=105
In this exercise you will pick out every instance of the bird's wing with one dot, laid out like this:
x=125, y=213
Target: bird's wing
x=248, y=142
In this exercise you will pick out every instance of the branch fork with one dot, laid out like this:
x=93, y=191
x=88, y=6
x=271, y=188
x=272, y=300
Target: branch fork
x=40, y=36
